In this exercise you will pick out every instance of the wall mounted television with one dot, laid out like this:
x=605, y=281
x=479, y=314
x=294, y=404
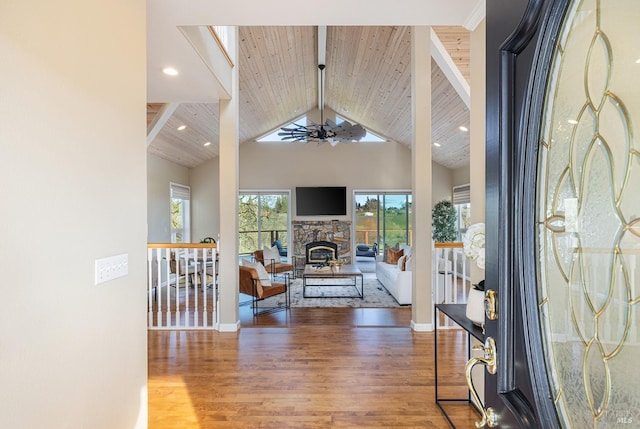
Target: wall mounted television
x=321, y=201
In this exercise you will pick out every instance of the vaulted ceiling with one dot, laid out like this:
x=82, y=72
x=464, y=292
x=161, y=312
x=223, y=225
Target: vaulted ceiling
x=368, y=81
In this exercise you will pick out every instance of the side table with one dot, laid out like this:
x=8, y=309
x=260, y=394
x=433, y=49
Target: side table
x=457, y=313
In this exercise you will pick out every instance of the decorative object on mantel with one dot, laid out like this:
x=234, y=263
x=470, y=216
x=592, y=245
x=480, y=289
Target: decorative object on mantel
x=443, y=219
x=474, y=240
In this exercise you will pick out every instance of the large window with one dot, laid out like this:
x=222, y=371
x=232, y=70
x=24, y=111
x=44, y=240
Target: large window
x=462, y=203
x=180, y=213
x=383, y=218
x=262, y=219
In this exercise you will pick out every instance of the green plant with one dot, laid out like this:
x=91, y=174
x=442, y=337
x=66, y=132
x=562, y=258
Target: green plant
x=443, y=219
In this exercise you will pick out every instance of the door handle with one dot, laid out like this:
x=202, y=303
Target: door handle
x=489, y=416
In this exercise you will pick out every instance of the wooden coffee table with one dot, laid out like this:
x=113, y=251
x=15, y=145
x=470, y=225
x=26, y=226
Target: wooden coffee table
x=329, y=273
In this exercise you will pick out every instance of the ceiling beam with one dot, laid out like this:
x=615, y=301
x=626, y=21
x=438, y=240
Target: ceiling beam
x=160, y=120
x=450, y=70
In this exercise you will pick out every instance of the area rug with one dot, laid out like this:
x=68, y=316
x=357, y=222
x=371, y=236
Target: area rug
x=375, y=296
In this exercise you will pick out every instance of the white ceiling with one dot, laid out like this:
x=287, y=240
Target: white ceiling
x=277, y=67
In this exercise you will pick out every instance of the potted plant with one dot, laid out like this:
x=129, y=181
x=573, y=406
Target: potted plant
x=443, y=220
x=473, y=242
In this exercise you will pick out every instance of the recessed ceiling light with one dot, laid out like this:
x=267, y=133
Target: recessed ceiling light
x=207, y=143
x=182, y=127
x=572, y=121
x=638, y=61
x=463, y=128
x=170, y=71
x=436, y=144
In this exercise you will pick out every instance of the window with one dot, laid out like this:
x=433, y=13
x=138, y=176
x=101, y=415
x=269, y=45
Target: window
x=383, y=218
x=262, y=219
x=462, y=204
x=180, y=213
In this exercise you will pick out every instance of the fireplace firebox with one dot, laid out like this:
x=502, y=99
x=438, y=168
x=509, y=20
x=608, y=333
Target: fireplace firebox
x=317, y=252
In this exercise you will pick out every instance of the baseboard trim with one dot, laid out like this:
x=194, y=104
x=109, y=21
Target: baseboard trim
x=421, y=327
x=229, y=327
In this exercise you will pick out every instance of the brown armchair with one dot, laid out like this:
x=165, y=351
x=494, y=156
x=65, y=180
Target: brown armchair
x=274, y=267
x=250, y=284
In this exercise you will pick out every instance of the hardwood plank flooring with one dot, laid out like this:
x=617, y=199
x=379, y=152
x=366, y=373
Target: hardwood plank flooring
x=307, y=368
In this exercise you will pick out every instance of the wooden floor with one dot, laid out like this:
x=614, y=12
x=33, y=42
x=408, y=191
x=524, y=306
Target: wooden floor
x=307, y=368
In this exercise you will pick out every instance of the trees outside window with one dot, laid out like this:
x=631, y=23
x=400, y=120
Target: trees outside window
x=383, y=218
x=180, y=213
x=262, y=219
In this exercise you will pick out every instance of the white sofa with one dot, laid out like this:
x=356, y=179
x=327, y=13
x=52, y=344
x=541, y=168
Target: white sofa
x=396, y=281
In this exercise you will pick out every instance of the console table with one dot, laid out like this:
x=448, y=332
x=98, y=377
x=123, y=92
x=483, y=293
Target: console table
x=457, y=313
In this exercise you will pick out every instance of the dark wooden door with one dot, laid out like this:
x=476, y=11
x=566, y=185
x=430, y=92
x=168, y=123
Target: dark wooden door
x=562, y=222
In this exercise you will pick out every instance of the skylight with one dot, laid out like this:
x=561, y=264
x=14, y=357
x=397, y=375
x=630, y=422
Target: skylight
x=273, y=136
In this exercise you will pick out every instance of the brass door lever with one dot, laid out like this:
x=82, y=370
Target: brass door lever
x=489, y=417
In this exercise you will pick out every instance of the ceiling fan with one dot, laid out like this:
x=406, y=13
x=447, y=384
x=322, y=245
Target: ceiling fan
x=326, y=131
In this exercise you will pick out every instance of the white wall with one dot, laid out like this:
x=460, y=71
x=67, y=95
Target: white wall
x=461, y=176
x=205, y=193
x=441, y=182
x=360, y=166
x=160, y=173
x=282, y=166
x=72, y=165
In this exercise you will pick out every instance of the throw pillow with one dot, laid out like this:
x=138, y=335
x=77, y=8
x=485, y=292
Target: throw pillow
x=406, y=248
x=393, y=256
x=410, y=263
x=271, y=253
x=401, y=262
x=262, y=272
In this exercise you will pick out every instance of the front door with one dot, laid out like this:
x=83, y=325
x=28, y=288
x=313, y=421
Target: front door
x=563, y=212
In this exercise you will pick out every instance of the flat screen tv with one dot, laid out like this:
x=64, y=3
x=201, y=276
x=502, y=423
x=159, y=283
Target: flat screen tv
x=321, y=201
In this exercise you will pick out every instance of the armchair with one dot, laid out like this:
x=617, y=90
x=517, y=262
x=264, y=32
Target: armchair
x=272, y=266
x=252, y=285
x=366, y=251
x=281, y=250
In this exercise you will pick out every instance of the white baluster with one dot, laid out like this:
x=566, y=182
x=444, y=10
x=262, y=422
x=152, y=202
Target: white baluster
x=150, y=286
x=205, y=254
x=186, y=290
x=197, y=267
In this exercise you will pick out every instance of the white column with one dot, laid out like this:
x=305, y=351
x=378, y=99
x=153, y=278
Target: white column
x=228, y=244
x=477, y=136
x=477, y=157
x=421, y=176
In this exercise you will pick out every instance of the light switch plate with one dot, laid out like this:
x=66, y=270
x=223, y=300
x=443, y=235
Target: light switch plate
x=111, y=267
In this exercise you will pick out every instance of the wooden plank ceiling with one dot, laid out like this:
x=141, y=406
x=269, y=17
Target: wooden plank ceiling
x=368, y=81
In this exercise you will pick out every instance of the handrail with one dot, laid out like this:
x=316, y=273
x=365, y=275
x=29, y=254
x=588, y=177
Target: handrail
x=450, y=245
x=182, y=246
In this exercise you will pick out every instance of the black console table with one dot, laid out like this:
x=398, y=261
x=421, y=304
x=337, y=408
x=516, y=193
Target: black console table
x=457, y=313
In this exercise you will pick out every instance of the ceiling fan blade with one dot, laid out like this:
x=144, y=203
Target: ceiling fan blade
x=349, y=133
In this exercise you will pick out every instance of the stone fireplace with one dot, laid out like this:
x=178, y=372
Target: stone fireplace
x=336, y=232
